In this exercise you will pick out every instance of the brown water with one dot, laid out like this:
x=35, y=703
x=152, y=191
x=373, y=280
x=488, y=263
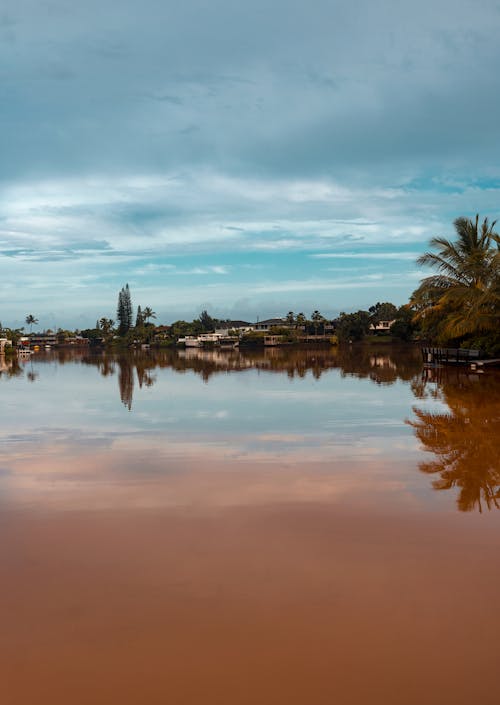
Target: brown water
x=283, y=527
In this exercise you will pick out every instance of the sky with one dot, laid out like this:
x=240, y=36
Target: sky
x=245, y=158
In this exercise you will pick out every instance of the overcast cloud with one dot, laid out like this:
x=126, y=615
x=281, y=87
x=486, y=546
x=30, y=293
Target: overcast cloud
x=247, y=157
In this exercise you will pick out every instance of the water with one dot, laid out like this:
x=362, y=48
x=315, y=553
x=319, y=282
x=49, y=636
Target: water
x=272, y=527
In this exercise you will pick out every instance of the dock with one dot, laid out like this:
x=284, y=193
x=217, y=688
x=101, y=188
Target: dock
x=457, y=356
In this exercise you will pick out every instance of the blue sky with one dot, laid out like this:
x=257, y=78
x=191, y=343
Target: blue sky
x=250, y=159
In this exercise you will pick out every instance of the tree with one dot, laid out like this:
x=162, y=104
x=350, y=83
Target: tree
x=148, y=313
x=31, y=321
x=316, y=318
x=207, y=322
x=290, y=318
x=106, y=325
x=300, y=320
x=353, y=326
x=463, y=298
x=139, y=320
x=124, y=311
x=403, y=326
x=383, y=312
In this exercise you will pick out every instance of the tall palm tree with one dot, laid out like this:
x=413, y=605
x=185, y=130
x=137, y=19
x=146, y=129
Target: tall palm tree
x=465, y=293
x=148, y=313
x=31, y=321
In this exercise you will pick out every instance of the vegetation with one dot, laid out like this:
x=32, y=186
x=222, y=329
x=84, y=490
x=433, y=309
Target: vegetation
x=382, y=312
x=124, y=311
x=352, y=327
x=31, y=321
x=460, y=304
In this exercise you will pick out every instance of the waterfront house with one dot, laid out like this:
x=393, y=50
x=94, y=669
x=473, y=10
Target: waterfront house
x=42, y=340
x=236, y=326
x=382, y=326
x=271, y=323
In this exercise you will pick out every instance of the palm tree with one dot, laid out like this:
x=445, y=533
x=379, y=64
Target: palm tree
x=31, y=321
x=106, y=325
x=148, y=313
x=465, y=293
x=316, y=318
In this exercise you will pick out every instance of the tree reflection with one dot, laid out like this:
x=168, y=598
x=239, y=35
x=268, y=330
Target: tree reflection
x=465, y=439
x=10, y=367
x=381, y=366
x=126, y=381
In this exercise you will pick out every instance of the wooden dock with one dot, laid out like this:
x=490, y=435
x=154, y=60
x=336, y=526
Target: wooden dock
x=457, y=356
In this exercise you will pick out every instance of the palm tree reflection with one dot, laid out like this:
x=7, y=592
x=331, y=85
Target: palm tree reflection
x=465, y=439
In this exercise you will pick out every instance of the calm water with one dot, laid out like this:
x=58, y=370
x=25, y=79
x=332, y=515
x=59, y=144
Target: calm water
x=287, y=527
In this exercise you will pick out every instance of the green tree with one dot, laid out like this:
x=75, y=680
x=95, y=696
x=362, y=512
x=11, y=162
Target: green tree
x=403, y=327
x=463, y=298
x=106, y=325
x=382, y=312
x=300, y=320
x=31, y=321
x=317, y=319
x=148, y=313
x=139, y=319
x=207, y=322
x=352, y=327
x=290, y=318
x=124, y=311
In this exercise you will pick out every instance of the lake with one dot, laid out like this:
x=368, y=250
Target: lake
x=231, y=528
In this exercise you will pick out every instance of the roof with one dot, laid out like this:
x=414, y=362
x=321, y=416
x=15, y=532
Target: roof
x=271, y=322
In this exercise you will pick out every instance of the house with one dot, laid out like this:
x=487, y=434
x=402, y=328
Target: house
x=271, y=323
x=237, y=326
x=77, y=340
x=42, y=340
x=382, y=326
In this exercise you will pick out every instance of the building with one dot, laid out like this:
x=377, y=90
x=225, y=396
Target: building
x=271, y=323
x=382, y=326
x=41, y=340
x=237, y=326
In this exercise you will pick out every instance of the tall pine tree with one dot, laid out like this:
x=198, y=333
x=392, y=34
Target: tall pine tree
x=139, y=321
x=124, y=311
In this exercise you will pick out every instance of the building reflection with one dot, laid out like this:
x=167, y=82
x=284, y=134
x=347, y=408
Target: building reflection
x=464, y=439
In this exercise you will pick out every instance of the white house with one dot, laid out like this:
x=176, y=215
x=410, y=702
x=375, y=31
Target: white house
x=382, y=326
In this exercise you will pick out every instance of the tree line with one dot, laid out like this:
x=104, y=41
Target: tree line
x=457, y=305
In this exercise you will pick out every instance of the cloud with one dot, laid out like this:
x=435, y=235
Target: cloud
x=169, y=140
x=366, y=255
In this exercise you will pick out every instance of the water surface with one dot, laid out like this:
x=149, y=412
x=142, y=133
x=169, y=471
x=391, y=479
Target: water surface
x=273, y=527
